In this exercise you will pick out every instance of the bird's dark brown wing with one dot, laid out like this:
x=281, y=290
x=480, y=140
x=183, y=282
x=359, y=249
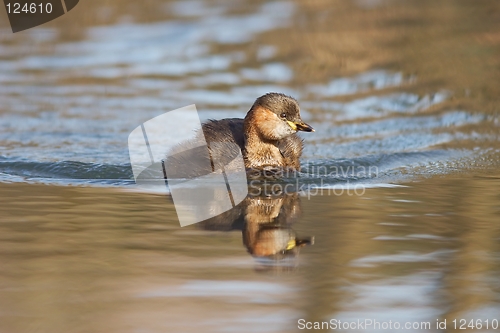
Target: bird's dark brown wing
x=193, y=158
x=225, y=130
x=225, y=139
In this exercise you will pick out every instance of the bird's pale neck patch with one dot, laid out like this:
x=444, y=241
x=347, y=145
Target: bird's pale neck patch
x=260, y=139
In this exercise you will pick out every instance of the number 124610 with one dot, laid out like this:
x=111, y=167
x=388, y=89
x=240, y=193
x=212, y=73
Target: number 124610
x=31, y=8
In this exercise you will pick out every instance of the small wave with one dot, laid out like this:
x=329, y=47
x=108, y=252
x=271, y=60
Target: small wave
x=65, y=171
x=319, y=173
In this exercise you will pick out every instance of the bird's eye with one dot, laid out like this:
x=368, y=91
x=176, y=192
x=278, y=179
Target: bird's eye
x=283, y=115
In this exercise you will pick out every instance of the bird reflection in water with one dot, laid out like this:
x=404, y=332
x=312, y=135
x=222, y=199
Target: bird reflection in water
x=266, y=225
x=262, y=146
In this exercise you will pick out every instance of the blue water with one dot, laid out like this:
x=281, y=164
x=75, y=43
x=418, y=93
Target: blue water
x=68, y=106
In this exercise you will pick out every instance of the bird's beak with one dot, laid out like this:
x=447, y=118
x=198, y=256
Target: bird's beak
x=300, y=126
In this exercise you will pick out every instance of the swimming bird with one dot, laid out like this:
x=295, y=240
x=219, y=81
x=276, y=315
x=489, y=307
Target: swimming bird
x=266, y=136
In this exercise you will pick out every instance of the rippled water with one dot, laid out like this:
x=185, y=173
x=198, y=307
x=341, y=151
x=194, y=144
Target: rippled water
x=83, y=250
x=68, y=107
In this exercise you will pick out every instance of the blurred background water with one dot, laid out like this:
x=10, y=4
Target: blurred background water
x=409, y=88
x=69, y=102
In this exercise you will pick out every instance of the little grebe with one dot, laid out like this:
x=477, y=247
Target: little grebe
x=267, y=136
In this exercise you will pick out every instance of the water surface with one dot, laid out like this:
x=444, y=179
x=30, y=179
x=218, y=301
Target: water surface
x=404, y=100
